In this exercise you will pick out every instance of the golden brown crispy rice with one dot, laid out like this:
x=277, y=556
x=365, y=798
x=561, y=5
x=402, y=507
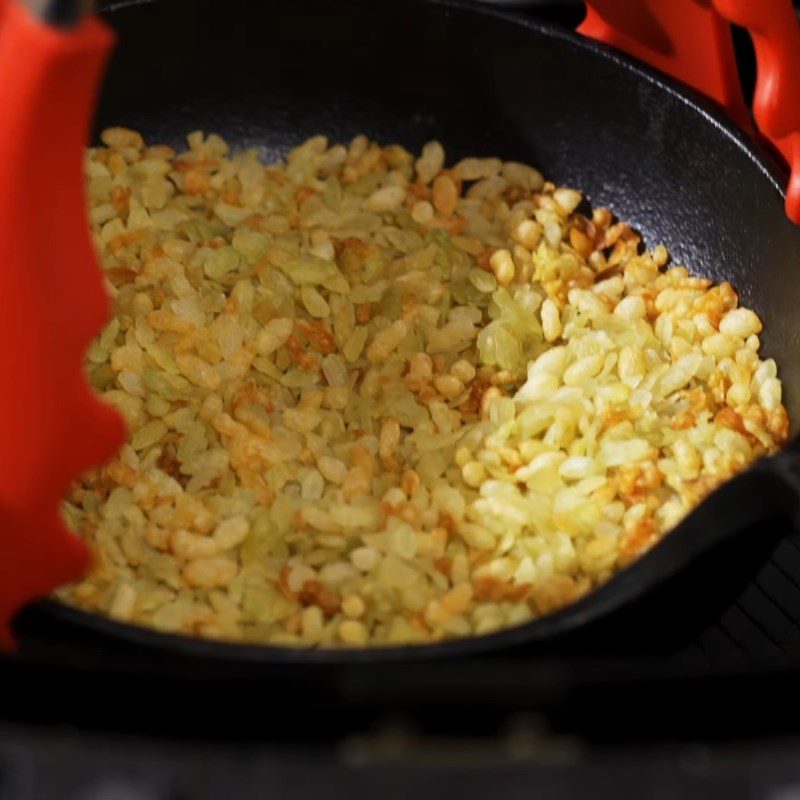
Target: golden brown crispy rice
x=372, y=400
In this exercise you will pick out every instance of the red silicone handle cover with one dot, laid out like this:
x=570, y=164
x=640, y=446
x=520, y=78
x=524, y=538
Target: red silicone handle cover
x=52, y=427
x=773, y=26
x=691, y=41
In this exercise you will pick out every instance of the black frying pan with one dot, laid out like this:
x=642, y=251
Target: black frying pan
x=271, y=74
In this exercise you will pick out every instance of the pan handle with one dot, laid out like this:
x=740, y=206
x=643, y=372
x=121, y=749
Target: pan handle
x=691, y=41
x=52, y=427
x=773, y=27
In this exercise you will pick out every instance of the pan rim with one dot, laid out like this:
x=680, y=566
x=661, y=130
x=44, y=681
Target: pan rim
x=601, y=601
x=775, y=173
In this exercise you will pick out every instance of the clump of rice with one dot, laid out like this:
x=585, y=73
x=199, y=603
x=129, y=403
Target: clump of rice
x=372, y=400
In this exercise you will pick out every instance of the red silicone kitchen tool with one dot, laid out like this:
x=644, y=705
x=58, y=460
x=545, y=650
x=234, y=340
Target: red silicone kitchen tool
x=51, y=425
x=691, y=41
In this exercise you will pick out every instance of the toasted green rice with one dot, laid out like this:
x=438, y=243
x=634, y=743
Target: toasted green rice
x=375, y=401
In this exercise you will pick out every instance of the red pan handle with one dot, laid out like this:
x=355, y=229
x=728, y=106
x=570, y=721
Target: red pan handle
x=53, y=303
x=691, y=41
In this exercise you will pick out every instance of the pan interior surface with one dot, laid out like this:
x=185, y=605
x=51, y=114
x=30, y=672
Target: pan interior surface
x=271, y=75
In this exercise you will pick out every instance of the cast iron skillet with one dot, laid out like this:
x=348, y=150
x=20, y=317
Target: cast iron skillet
x=271, y=74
